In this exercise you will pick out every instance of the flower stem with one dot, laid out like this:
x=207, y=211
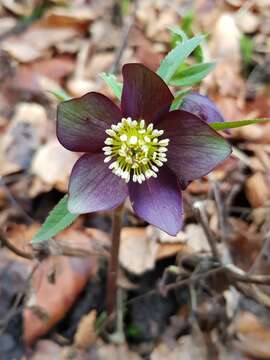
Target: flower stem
x=113, y=261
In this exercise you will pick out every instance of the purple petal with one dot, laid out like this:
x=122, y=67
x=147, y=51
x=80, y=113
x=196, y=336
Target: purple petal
x=194, y=148
x=159, y=201
x=81, y=122
x=93, y=186
x=203, y=107
x=145, y=95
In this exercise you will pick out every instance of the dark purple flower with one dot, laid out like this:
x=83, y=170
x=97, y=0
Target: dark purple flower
x=142, y=151
x=202, y=106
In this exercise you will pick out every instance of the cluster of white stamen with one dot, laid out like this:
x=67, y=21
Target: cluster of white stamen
x=134, y=150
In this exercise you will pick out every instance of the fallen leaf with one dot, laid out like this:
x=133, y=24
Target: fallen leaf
x=257, y=189
x=39, y=38
x=23, y=137
x=185, y=348
x=52, y=164
x=253, y=336
x=138, y=251
x=86, y=334
x=51, y=299
x=116, y=352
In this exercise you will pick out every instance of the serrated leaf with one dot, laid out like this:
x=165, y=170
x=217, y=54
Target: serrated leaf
x=236, y=124
x=177, y=56
x=112, y=82
x=58, y=219
x=192, y=75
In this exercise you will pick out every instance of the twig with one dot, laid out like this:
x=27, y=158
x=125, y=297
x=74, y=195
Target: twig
x=201, y=217
x=57, y=249
x=226, y=256
x=5, y=242
x=113, y=260
x=14, y=202
x=126, y=29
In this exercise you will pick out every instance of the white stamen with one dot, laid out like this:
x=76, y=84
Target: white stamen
x=123, y=137
x=106, y=148
x=111, y=132
x=147, y=139
x=164, y=142
x=109, y=141
x=158, y=163
x=107, y=159
x=162, y=149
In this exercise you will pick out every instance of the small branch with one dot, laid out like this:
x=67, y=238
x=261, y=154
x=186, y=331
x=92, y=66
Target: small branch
x=45, y=251
x=113, y=260
x=14, y=202
x=5, y=242
x=124, y=41
x=201, y=217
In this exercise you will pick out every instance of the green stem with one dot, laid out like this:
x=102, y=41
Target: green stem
x=113, y=261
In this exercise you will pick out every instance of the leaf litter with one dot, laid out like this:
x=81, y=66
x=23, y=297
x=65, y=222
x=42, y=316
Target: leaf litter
x=66, y=47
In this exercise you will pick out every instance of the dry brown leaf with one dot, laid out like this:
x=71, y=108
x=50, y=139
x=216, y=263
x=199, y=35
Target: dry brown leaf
x=47, y=349
x=71, y=16
x=20, y=235
x=34, y=43
x=21, y=8
x=253, y=336
x=248, y=22
x=56, y=284
x=184, y=349
x=257, y=189
x=86, y=334
x=52, y=164
x=138, y=251
x=116, y=352
x=24, y=135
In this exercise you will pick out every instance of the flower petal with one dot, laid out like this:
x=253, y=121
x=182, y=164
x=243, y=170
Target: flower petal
x=159, y=201
x=81, y=122
x=93, y=186
x=202, y=106
x=194, y=148
x=145, y=95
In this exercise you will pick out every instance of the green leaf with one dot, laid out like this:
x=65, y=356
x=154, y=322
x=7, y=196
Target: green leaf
x=192, y=74
x=236, y=124
x=112, y=82
x=179, y=96
x=246, y=46
x=177, y=56
x=58, y=219
x=178, y=32
x=60, y=94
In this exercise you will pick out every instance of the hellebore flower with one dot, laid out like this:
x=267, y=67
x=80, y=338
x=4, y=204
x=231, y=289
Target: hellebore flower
x=142, y=150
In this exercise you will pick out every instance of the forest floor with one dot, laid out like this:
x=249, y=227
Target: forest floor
x=174, y=300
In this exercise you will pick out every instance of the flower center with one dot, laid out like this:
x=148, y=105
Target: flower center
x=135, y=150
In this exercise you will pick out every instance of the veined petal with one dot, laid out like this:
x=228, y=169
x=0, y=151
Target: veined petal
x=81, y=122
x=145, y=95
x=159, y=201
x=202, y=106
x=194, y=148
x=93, y=186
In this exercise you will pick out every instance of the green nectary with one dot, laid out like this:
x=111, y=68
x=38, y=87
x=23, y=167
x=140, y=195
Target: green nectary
x=135, y=149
